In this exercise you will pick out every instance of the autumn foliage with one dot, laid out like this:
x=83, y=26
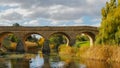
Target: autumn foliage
x=109, y=32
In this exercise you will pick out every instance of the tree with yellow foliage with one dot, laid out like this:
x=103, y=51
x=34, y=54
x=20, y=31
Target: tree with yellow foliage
x=40, y=42
x=109, y=32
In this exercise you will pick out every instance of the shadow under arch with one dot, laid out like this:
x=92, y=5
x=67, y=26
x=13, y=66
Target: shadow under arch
x=62, y=33
x=30, y=33
x=57, y=39
x=33, y=46
x=4, y=36
x=90, y=35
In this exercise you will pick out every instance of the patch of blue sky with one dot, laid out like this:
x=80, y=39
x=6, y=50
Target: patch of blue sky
x=3, y=8
x=88, y=21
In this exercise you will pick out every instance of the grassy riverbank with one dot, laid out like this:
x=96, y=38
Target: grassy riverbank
x=102, y=53
x=106, y=53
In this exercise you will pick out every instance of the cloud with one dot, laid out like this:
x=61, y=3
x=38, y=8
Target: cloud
x=96, y=24
x=40, y=12
x=96, y=20
x=31, y=23
x=12, y=16
x=4, y=24
x=53, y=11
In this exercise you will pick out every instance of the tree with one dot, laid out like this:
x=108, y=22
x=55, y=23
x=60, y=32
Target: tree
x=57, y=40
x=13, y=38
x=29, y=38
x=119, y=2
x=109, y=32
x=16, y=24
x=32, y=38
x=82, y=38
x=41, y=42
x=6, y=43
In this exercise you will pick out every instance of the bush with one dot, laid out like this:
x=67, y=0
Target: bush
x=66, y=50
x=106, y=53
x=81, y=50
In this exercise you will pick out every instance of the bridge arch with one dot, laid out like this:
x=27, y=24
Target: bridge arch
x=5, y=40
x=3, y=34
x=35, y=39
x=91, y=35
x=30, y=33
x=67, y=37
x=56, y=39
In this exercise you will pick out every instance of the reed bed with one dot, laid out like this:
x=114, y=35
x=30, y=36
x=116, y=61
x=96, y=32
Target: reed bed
x=103, y=53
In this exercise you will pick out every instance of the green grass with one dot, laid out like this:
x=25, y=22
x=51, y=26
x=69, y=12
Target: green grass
x=83, y=43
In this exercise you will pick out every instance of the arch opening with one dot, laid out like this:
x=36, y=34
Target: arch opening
x=85, y=39
x=8, y=41
x=58, y=39
x=33, y=42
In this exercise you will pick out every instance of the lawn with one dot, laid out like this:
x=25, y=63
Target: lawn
x=82, y=43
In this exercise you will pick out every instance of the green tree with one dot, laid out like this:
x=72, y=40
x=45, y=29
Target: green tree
x=16, y=24
x=6, y=42
x=109, y=31
x=82, y=38
x=13, y=38
x=57, y=40
x=29, y=38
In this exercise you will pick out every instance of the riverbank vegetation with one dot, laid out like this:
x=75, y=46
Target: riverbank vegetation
x=101, y=53
x=108, y=40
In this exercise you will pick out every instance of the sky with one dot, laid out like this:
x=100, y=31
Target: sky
x=51, y=12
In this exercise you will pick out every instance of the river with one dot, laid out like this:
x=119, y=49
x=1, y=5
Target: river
x=38, y=60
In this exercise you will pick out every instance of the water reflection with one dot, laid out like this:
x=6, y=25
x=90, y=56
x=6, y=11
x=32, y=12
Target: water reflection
x=115, y=65
x=19, y=63
x=51, y=62
x=100, y=64
x=38, y=61
x=54, y=61
x=60, y=64
x=5, y=63
x=46, y=62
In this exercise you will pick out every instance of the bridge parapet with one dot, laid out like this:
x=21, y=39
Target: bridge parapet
x=65, y=28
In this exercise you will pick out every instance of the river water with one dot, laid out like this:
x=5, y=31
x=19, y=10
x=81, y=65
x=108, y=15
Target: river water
x=51, y=61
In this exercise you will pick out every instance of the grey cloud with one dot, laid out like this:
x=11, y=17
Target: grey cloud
x=70, y=3
x=42, y=9
x=45, y=3
x=12, y=16
x=39, y=13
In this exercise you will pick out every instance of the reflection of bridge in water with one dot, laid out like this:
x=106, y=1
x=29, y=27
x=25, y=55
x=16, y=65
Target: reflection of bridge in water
x=70, y=32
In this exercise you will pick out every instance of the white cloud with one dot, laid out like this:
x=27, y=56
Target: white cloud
x=96, y=20
x=40, y=12
x=4, y=24
x=11, y=16
x=56, y=22
x=91, y=1
x=58, y=12
x=79, y=21
x=31, y=23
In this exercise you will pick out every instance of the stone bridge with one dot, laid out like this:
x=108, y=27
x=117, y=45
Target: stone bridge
x=22, y=32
